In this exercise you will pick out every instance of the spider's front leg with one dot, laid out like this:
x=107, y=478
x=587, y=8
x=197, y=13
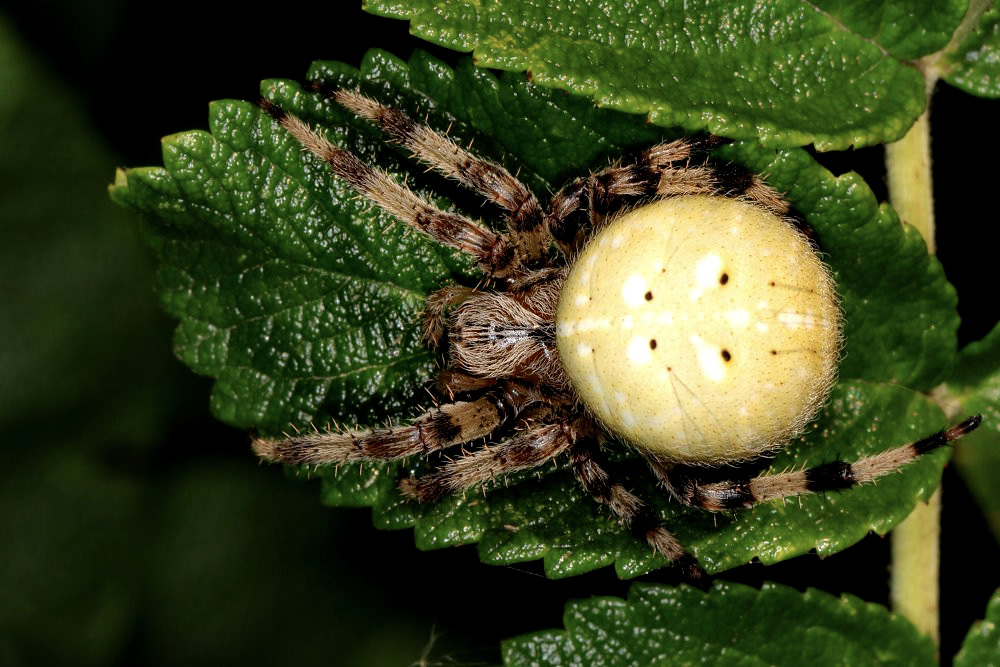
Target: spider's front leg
x=434, y=317
x=833, y=476
x=495, y=255
x=525, y=229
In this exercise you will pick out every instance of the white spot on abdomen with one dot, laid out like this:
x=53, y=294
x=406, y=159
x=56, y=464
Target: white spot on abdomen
x=805, y=320
x=709, y=358
x=738, y=318
x=638, y=350
x=706, y=275
x=634, y=290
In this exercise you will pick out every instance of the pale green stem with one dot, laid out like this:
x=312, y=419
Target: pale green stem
x=915, y=541
x=915, y=580
x=908, y=172
x=915, y=566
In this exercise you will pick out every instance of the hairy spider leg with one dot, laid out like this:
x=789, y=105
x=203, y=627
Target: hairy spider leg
x=493, y=253
x=524, y=215
x=441, y=427
x=438, y=302
x=668, y=169
x=641, y=520
x=538, y=443
x=833, y=476
x=541, y=442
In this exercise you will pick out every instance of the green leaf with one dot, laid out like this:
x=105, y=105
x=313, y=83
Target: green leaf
x=974, y=63
x=731, y=624
x=785, y=73
x=982, y=645
x=88, y=386
x=303, y=305
x=282, y=291
x=975, y=385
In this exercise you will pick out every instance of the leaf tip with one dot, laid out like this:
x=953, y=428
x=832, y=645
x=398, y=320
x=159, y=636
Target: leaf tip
x=118, y=190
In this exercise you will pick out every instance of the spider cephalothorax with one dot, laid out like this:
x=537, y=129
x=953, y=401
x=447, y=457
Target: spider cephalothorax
x=664, y=301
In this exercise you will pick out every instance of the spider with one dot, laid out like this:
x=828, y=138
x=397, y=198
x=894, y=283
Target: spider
x=665, y=302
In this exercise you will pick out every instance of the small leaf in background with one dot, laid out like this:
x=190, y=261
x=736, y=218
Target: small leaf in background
x=975, y=385
x=729, y=624
x=974, y=64
x=784, y=73
x=982, y=645
x=294, y=295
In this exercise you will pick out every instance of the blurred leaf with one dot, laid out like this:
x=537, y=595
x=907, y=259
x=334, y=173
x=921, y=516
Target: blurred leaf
x=731, y=624
x=981, y=647
x=74, y=275
x=77, y=319
x=69, y=554
x=975, y=385
x=974, y=64
x=785, y=73
x=233, y=581
x=303, y=304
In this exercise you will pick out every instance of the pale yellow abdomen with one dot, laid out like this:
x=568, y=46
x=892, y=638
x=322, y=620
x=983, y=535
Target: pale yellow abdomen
x=701, y=328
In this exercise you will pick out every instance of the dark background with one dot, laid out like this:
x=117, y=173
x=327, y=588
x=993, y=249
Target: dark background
x=134, y=527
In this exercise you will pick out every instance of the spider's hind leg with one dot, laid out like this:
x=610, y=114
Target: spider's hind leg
x=833, y=476
x=533, y=446
x=542, y=441
x=636, y=515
